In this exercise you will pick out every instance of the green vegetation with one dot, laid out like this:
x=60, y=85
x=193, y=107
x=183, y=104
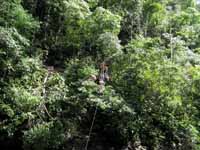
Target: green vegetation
x=152, y=101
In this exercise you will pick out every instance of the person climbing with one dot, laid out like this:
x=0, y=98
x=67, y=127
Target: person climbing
x=102, y=78
x=104, y=72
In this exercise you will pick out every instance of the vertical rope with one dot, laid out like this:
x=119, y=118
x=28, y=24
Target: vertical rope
x=171, y=46
x=172, y=61
x=102, y=69
x=44, y=95
x=90, y=132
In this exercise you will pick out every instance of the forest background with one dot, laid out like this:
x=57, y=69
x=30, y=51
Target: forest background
x=152, y=101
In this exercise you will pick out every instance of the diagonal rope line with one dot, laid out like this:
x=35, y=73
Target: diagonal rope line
x=90, y=132
x=95, y=113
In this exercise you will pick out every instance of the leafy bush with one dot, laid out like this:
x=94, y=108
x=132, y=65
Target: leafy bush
x=44, y=136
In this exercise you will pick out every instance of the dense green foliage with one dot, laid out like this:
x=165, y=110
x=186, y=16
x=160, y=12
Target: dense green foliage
x=152, y=100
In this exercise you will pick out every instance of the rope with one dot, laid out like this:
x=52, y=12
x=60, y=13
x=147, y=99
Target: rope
x=95, y=112
x=90, y=132
x=42, y=104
